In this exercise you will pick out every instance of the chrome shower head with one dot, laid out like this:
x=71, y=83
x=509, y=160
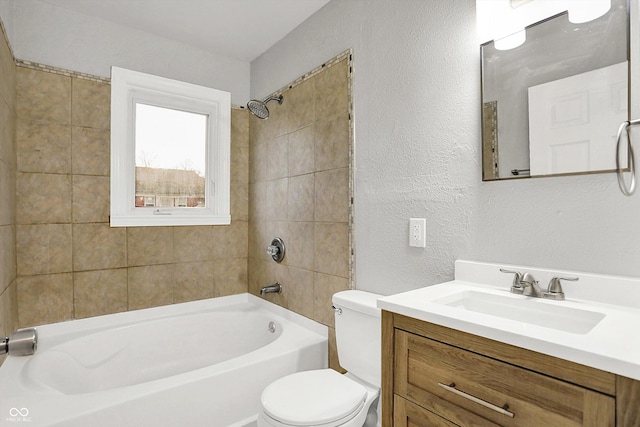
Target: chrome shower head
x=259, y=108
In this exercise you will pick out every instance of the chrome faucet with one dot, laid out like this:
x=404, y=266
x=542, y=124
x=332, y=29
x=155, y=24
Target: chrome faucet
x=526, y=284
x=276, y=288
x=22, y=342
x=530, y=286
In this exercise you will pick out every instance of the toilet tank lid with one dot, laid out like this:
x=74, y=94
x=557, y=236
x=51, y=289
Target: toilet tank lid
x=361, y=301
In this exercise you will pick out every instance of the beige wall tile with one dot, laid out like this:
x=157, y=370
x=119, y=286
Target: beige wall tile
x=193, y=243
x=240, y=165
x=43, y=198
x=299, y=289
x=9, y=301
x=43, y=147
x=300, y=245
x=256, y=275
x=277, y=193
x=230, y=276
x=4, y=329
x=231, y=241
x=150, y=286
x=7, y=194
x=4, y=316
x=332, y=195
x=301, y=198
x=100, y=292
x=149, y=245
x=98, y=247
x=240, y=183
x=260, y=131
x=90, y=150
x=278, y=119
x=90, y=198
x=331, y=254
x=7, y=133
x=43, y=249
x=331, y=90
x=193, y=281
x=7, y=256
x=300, y=105
x=258, y=162
x=8, y=73
x=332, y=143
x=239, y=128
x=43, y=96
x=239, y=201
x=301, y=151
x=258, y=198
x=278, y=157
x=324, y=286
x=90, y=104
x=45, y=299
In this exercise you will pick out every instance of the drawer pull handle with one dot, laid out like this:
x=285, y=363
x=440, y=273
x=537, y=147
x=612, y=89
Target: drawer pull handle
x=452, y=388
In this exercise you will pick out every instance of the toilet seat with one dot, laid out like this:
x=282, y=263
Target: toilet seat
x=313, y=398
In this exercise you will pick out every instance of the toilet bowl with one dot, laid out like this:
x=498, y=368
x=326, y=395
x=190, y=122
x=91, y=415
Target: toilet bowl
x=326, y=398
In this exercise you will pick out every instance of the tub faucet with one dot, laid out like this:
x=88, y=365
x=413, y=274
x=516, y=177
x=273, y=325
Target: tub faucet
x=276, y=288
x=22, y=342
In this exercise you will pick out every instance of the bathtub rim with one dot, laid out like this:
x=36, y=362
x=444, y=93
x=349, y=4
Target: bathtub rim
x=76, y=327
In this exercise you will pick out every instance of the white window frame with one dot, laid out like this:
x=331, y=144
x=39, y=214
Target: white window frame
x=131, y=87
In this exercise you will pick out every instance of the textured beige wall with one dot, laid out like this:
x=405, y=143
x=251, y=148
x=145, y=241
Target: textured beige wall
x=70, y=263
x=299, y=191
x=8, y=298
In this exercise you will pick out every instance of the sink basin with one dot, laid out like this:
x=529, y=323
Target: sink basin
x=527, y=310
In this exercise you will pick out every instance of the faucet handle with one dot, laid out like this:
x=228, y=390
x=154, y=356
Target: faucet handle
x=555, y=286
x=517, y=278
x=517, y=286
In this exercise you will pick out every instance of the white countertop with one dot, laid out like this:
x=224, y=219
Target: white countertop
x=612, y=345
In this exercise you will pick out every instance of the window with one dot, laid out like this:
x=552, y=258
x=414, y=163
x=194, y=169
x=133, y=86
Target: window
x=170, y=145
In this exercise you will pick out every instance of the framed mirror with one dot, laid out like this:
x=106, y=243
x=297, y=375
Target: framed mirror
x=552, y=104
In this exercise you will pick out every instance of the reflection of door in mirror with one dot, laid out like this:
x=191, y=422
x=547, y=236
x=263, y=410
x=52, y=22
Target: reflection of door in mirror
x=560, y=51
x=573, y=121
x=170, y=148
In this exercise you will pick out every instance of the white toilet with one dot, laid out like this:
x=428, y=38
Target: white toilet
x=325, y=398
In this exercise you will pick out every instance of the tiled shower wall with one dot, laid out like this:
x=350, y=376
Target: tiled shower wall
x=8, y=299
x=70, y=262
x=300, y=181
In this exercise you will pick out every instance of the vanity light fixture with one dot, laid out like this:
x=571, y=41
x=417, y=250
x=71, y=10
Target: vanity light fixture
x=504, y=21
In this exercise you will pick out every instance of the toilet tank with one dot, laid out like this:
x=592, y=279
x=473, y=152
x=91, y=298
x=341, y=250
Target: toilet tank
x=358, y=334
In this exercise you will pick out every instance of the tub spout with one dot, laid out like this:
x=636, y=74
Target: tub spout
x=22, y=342
x=276, y=288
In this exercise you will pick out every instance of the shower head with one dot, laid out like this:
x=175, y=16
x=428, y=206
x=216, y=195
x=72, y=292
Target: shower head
x=259, y=108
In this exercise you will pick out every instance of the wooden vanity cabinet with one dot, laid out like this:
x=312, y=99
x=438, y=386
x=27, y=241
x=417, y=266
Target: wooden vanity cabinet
x=436, y=376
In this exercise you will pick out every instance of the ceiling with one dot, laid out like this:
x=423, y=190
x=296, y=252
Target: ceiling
x=241, y=29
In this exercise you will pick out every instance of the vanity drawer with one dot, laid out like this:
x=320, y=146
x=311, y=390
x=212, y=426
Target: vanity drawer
x=441, y=377
x=409, y=414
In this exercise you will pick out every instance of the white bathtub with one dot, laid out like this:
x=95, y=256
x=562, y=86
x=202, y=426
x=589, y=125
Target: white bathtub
x=203, y=363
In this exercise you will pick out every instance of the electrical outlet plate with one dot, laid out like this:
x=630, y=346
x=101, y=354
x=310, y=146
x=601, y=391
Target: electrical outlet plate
x=417, y=232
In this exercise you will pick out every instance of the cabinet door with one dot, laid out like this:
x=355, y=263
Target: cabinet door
x=407, y=414
x=429, y=371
